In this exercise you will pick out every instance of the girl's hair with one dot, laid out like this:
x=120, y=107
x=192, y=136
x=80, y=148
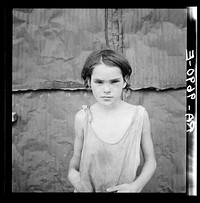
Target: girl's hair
x=109, y=58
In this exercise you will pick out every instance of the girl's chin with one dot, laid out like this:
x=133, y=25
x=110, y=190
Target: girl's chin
x=109, y=104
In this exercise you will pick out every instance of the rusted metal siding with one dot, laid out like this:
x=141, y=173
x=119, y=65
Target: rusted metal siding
x=113, y=29
x=155, y=44
x=43, y=136
x=51, y=45
x=42, y=139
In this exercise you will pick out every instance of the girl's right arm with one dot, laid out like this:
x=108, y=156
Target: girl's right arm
x=73, y=173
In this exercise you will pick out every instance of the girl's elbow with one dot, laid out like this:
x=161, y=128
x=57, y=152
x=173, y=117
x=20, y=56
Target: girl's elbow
x=69, y=174
x=154, y=164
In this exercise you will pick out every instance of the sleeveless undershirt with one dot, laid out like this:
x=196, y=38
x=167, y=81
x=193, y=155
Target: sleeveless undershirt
x=103, y=164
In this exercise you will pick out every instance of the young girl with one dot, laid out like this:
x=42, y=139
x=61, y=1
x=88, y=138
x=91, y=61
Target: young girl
x=108, y=134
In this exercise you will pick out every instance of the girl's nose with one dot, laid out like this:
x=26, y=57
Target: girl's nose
x=107, y=88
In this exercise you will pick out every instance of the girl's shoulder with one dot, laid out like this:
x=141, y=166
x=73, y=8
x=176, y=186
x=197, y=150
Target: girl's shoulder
x=81, y=114
x=132, y=106
x=135, y=109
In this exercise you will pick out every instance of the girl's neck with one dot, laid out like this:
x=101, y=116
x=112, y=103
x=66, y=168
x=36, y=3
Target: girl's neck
x=109, y=109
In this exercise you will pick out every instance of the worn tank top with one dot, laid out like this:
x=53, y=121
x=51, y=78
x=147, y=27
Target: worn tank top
x=103, y=164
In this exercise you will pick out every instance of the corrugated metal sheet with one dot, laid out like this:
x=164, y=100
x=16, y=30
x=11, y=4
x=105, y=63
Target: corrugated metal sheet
x=51, y=45
x=42, y=139
x=43, y=136
x=155, y=44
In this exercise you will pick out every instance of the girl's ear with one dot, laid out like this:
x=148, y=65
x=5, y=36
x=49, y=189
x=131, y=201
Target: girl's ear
x=124, y=85
x=88, y=83
x=126, y=79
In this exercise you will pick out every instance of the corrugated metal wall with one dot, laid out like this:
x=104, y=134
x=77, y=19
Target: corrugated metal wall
x=49, y=49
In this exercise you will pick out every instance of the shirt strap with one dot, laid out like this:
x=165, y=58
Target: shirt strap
x=86, y=108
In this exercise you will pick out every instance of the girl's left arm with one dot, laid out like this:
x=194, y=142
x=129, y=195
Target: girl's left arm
x=149, y=166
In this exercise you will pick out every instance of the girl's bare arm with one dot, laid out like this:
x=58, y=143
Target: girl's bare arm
x=149, y=166
x=73, y=173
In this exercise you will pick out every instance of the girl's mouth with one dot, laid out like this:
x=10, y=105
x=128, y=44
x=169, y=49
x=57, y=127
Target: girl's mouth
x=106, y=97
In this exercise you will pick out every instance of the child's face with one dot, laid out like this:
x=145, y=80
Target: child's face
x=107, y=84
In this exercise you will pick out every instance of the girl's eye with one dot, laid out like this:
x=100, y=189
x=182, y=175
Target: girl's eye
x=101, y=82
x=114, y=81
x=98, y=82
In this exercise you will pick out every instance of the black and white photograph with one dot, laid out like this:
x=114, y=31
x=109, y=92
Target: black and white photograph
x=100, y=101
